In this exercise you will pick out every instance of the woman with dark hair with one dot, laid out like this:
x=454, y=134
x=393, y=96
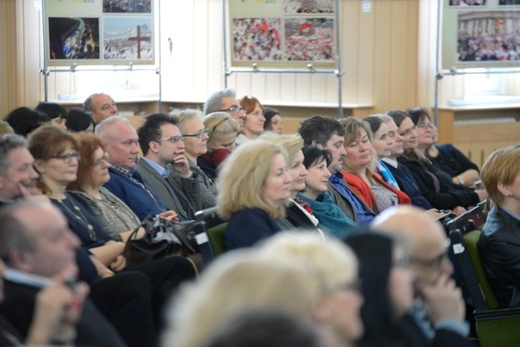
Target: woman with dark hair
x=387, y=289
x=24, y=121
x=273, y=120
x=56, y=112
x=330, y=216
x=253, y=121
x=79, y=120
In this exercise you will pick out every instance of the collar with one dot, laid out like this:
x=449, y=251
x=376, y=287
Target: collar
x=122, y=171
x=19, y=277
x=157, y=167
x=391, y=162
x=337, y=177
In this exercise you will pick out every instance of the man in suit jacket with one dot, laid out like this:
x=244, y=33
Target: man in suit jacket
x=325, y=132
x=164, y=157
x=37, y=249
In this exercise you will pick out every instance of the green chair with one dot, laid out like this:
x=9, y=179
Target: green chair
x=216, y=239
x=496, y=327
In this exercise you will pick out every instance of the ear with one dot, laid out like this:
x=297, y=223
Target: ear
x=39, y=165
x=153, y=146
x=503, y=189
x=19, y=260
x=322, y=310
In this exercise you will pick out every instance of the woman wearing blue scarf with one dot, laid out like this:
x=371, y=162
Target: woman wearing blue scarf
x=330, y=217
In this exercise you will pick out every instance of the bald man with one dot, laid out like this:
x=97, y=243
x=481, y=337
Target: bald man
x=438, y=297
x=101, y=105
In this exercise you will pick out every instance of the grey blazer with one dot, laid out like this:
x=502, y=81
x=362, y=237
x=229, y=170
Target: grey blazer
x=170, y=193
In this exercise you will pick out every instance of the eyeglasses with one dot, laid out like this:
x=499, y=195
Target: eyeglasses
x=424, y=126
x=99, y=162
x=173, y=139
x=212, y=129
x=67, y=158
x=234, y=109
x=198, y=134
x=408, y=131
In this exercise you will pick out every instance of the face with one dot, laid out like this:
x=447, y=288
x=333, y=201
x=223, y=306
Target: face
x=122, y=145
x=425, y=132
x=336, y=147
x=104, y=107
x=55, y=243
x=60, y=170
x=318, y=177
x=226, y=141
x=383, y=142
x=298, y=173
x=275, y=190
x=276, y=125
x=397, y=148
x=401, y=283
x=238, y=115
x=98, y=174
x=345, y=317
x=59, y=122
x=195, y=146
x=359, y=152
x=408, y=132
x=254, y=121
x=19, y=173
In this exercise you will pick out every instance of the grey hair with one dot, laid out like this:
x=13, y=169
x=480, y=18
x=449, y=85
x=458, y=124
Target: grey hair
x=109, y=122
x=214, y=101
x=8, y=142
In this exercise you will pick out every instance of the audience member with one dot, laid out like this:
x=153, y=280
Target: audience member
x=273, y=120
x=499, y=243
x=253, y=121
x=79, y=120
x=226, y=101
x=359, y=168
x=258, y=211
x=327, y=133
x=24, y=121
x=439, y=310
x=5, y=128
x=56, y=112
x=195, y=136
x=330, y=217
x=101, y=106
x=222, y=134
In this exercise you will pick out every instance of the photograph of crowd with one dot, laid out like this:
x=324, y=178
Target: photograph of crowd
x=308, y=6
x=309, y=39
x=127, y=6
x=482, y=36
x=127, y=38
x=256, y=39
x=463, y=3
x=73, y=38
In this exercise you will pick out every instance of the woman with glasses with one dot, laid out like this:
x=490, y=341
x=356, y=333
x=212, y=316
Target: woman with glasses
x=195, y=136
x=435, y=185
x=222, y=134
x=254, y=120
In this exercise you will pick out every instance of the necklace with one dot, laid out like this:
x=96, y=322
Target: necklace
x=75, y=211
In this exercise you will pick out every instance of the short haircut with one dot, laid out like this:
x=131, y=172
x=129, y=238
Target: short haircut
x=13, y=233
x=24, y=121
x=242, y=177
x=398, y=116
x=313, y=155
x=184, y=116
x=319, y=129
x=79, y=119
x=88, y=105
x=89, y=144
x=249, y=103
x=219, y=124
x=501, y=167
x=151, y=129
x=8, y=142
x=103, y=128
x=52, y=109
x=292, y=143
x=214, y=101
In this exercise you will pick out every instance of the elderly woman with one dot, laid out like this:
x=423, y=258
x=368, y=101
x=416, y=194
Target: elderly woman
x=254, y=120
x=435, y=185
x=222, y=134
x=329, y=215
x=359, y=168
x=499, y=243
x=253, y=191
x=195, y=136
x=273, y=121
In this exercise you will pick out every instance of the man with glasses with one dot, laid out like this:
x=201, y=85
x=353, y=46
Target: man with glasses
x=439, y=310
x=226, y=101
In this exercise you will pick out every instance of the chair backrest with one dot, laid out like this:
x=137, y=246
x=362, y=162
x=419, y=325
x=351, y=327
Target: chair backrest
x=479, y=214
x=209, y=216
x=470, y=240
x=463, y=222
x=201, y=236
x=216, y=238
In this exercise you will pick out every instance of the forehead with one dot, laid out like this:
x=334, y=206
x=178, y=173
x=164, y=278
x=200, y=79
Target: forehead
x=169, y=129
x=19, y=156
x=335, y=139
x=124, y=131
x=102, y=99
x=195, y=123
x=406, y=123
x=391, y=125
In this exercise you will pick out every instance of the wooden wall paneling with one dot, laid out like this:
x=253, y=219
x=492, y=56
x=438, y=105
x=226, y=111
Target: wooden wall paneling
x=368, y=75
x=350, y=58
x=30, y=48
x=382, y=53
x=426, y=51
x=8, y=58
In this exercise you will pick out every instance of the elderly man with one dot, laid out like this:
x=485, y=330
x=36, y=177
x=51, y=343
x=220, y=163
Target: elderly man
x=226, y=101
x=440, y=310
x=36, y=250
x=101, y=106
x=325, y=132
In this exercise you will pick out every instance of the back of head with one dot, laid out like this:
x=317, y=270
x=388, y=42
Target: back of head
x=52, y=109
x=319, y=129
x=79, y=120
x=292, y=143
x=501, y=168
x=238, y=281
x=23, y=120
x=214, y=101
x=219, y=124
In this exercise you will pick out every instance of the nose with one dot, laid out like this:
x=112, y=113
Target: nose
x=304, y=172
x=73, y=240
x=33, y=174
x=327, y=173
x=288, y=178
x=113, y=110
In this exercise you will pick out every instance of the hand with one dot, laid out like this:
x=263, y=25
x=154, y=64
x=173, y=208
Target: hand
x=482, y=194
x=181, y=165
x=436, y=214
x=32, y=193
x=118, y=264
x=442, y=300
x=458, y=210
x=170, y=215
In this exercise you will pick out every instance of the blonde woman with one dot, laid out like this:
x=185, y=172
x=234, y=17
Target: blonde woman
x=253, y=191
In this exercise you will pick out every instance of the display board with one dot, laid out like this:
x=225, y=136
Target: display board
x=99, y=32
x=282, y=33
x=480, y=34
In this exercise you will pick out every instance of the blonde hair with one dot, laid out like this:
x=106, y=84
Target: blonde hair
x=219, y=124
x=242, y=177
x=333, y=261
x=353, y=127
x=502, y=166
x=238, y=281
x=292, y=143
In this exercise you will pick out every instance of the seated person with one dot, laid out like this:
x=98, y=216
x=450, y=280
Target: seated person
x=273, y=121
x=56, y=112
x=79, y=120
x=24, y=121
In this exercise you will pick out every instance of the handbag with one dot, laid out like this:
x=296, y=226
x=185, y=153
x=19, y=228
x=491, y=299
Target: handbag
x=163, y=238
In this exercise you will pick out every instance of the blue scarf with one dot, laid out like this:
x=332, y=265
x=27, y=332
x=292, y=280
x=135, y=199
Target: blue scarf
x=329, y=214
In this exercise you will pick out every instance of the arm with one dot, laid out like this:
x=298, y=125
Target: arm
x=108, y=252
